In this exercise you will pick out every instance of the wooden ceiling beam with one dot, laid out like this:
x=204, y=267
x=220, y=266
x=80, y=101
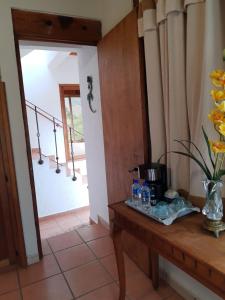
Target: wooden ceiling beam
x=37, y=26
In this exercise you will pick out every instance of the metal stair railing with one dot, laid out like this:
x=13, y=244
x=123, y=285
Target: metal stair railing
x=56, y=123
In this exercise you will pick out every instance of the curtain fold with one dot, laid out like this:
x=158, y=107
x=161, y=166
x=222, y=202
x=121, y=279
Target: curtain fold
x=154, y=83
x=177, y=48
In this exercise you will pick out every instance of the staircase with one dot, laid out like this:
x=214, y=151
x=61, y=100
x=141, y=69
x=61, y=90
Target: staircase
x=65, y=167
x=75, y=167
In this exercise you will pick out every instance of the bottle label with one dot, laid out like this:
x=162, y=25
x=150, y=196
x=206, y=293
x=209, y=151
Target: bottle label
x=145, y=195
x=135, y=192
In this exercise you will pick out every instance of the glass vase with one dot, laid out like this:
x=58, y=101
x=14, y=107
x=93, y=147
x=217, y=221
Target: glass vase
x=213, y=208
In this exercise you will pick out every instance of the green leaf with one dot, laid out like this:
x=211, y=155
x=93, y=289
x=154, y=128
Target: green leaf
x=219, y=174
x=208, y=175
x=197, y=149
x=208, y=146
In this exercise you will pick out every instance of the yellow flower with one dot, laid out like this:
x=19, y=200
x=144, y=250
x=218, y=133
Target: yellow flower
x=218, y=78
x=217, y=147
x=216, y=116
x=218, y=95
x=221, y=129
x=221, y=107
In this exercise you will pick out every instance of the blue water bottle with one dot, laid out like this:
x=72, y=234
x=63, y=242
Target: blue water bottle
x=145, y=195
x=135, y=191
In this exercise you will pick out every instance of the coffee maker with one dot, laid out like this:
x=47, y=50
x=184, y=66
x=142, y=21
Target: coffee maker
x=156, y=176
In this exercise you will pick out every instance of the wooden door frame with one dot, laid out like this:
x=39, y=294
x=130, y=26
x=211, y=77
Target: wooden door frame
x=44, y=27
x=70, y=90
x=14, y=230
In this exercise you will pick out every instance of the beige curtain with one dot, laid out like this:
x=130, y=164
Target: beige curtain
x=205, y=43
x=177, y=43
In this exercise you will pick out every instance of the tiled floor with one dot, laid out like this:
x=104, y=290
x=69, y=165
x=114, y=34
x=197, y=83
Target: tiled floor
x=79, y=264
x=56, y=225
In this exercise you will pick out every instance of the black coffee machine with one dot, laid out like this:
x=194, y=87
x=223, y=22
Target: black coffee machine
x=156, y=175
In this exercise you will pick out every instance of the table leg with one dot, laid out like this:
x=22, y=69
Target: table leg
x=154, y=257
x=117, y=241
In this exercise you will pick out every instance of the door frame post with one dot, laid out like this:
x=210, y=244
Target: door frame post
x=35, y=26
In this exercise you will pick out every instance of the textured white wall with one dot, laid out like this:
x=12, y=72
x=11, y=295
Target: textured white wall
x=97, y=9
x=57, y=193
x=43, y=71
x=8, y=71
x=93, y=132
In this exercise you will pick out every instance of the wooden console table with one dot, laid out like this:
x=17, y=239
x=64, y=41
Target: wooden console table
x=185, y=244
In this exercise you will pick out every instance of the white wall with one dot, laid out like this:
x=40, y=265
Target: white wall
x=43, y=71
x=8, y=71
x=57, y=193
x=93, y=132
x=37, y=67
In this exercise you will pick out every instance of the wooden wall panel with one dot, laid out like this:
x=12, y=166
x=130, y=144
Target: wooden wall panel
x=124, y=116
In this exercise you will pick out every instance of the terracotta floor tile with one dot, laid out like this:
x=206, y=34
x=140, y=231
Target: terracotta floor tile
x=11, y=296
x=69, y=225
x=164, y=289
x=75, y=256
x=86, y=278
x=8, y=282
x=174, y=296
x=102, y=247
x=50, y=232
x=68, y=218
x=65, y=240
x=108, y=292
x=54, y=288
x=92, y=232
x=45, y=268
x=152, y=295
x=131, y=267
x=45, y=247
x=139, y=286
x=47, y=224
x=109, y=263
x=84, y=216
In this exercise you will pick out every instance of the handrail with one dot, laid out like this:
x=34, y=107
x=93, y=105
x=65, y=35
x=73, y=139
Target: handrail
x=50, y=117
x=42, y=114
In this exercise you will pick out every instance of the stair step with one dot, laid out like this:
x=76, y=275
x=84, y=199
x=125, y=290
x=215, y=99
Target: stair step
x=68, y=170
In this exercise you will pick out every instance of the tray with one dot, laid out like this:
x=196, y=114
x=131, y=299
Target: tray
x=173, y=214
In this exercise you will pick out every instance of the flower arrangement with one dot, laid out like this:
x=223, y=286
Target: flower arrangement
x=216, y=148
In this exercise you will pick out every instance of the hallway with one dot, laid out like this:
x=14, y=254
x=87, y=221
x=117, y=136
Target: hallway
x=79, y=264
x=64, y=222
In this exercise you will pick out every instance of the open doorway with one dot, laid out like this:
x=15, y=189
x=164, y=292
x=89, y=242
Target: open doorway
x=56, y=133
x=72, y=118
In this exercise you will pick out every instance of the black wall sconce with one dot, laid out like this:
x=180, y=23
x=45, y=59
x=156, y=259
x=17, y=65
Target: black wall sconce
x=90, y=96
